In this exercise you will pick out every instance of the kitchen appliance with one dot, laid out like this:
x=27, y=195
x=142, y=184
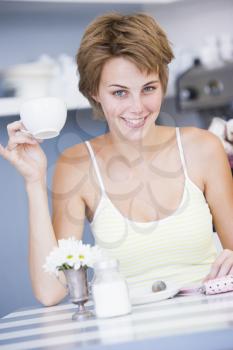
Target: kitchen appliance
x=208, y=91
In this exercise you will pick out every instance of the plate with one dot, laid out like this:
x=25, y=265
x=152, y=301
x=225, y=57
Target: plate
x=150, y=297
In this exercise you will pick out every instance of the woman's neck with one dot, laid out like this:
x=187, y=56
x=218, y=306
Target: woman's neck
x=153, y=142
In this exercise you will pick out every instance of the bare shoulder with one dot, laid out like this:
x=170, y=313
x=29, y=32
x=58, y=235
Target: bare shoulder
x=204, y=154
x=201, y=142
x=75, y=157
x=71, y=169
x=79, y=154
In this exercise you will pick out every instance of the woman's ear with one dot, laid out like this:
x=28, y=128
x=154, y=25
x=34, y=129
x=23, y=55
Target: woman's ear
x=95, y=98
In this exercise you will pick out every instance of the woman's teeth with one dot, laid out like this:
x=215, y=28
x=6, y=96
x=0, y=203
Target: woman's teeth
x=135, y=123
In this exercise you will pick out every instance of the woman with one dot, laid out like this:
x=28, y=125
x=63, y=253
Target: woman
x=150, y=192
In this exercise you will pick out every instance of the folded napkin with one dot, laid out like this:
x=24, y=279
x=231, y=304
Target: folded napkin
x=215, y=286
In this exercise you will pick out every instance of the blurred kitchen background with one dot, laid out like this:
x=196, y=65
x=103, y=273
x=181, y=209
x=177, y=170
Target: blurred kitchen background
x=38, y=43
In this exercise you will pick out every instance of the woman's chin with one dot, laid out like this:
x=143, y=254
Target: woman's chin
x=133, y=132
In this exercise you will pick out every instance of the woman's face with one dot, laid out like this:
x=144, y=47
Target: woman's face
x=130, y=99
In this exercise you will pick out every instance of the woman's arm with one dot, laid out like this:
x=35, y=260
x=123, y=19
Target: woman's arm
x=68, y=220
x=41, y=241
x=219, y=195
x=26, y=155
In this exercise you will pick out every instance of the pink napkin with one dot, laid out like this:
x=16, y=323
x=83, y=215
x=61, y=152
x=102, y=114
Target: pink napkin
x=214, y=286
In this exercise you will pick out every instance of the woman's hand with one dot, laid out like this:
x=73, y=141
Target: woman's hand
x=222, y=266
x=24, y=153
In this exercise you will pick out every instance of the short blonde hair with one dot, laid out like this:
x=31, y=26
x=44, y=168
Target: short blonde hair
x=137, y=37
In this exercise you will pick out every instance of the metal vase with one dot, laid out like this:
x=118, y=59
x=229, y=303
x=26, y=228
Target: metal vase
x=78, y=290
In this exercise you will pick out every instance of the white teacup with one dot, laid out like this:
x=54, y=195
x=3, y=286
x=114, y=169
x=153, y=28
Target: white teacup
x=43, y=117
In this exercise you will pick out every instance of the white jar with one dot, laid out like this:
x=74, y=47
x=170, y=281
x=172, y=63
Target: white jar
x=110, y=290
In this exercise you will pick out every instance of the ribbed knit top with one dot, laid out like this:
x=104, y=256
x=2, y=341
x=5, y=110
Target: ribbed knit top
x=179, y=248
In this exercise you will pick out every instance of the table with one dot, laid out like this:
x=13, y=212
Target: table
x=184, y=322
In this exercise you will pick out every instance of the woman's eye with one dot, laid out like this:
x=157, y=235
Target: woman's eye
x=149, y=88
x=119, y=93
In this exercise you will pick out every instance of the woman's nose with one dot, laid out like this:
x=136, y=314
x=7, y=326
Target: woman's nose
x=136, y=105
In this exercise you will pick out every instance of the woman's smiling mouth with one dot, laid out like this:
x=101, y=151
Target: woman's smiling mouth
x=134, y=123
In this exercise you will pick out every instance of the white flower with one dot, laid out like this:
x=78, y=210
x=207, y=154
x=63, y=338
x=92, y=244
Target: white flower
x=97, y=255
x=68, y=243
x=53, y=261
x=72, y=254
x=84, y=254
x=68, y=250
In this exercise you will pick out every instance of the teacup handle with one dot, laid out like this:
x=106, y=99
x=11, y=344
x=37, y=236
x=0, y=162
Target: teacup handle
x=27, y=132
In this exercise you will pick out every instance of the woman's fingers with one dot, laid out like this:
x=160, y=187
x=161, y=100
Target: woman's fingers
x=4, y=152
x=226, y=267
x=24, y=131
x=222, y=265
x=15, y=129
x=16, y=136
x=12, y=128
x=231, y=271
x=18, y=139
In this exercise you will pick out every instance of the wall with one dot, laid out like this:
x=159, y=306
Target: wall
x=26, y=31
x=189, y=22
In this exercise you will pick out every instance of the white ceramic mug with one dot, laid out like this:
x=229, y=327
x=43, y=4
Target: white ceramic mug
x=43, y=117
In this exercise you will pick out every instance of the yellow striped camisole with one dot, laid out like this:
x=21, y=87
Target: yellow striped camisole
x=179, y=248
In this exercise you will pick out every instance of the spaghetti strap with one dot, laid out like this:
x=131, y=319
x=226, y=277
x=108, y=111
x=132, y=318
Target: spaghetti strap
x=181, y=151
x=96, y=167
